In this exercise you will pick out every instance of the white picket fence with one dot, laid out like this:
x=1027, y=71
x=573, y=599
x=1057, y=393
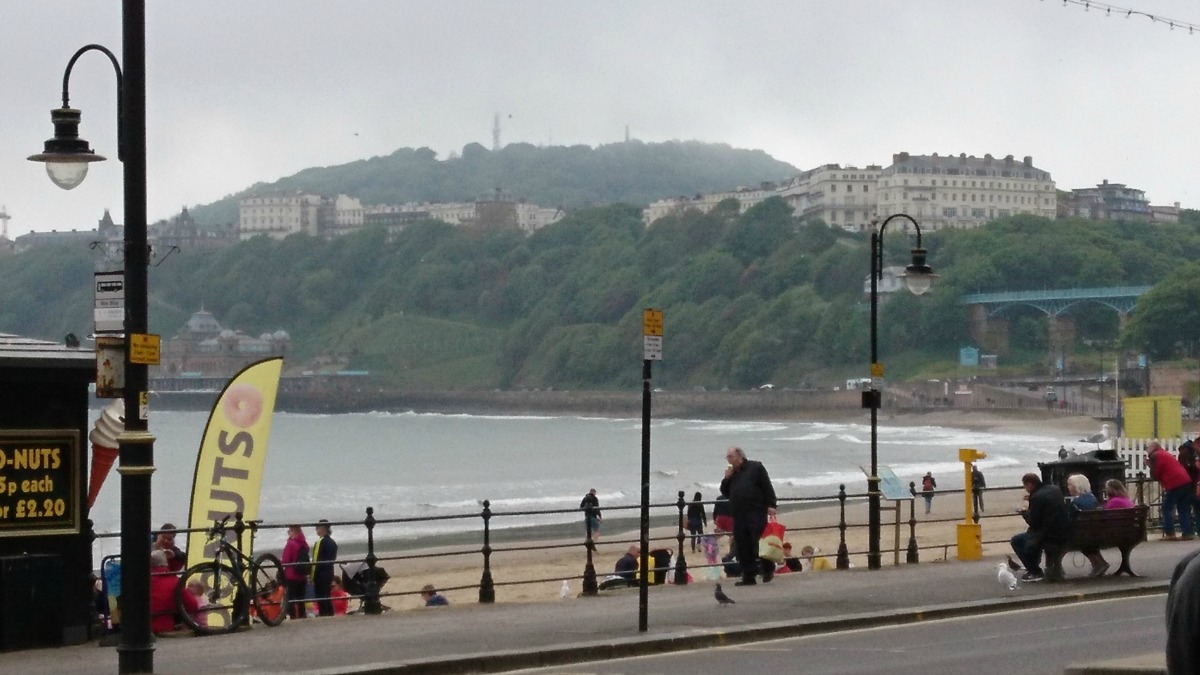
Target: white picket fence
x=1133, y=451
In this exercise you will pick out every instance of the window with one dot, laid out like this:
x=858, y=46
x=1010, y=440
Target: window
x=849, y=188
x=865, y=188
x=977, y=213
x=949, y=212
x=833, y=188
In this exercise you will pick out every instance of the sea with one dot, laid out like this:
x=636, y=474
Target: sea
x=421, y=465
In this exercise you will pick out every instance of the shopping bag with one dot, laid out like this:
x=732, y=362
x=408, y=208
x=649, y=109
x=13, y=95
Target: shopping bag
x=770, y=545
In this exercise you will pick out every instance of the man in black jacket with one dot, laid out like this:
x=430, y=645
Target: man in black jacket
x=1049, y=524
x=752, y=500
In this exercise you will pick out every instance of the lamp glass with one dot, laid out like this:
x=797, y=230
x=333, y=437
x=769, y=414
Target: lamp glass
x=67, y=175
x=918, y=284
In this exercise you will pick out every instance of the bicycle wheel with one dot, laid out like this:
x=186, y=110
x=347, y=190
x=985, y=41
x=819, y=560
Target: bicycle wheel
x=220, y=595
x=270, y=593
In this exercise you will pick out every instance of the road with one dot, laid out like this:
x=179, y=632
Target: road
x=1027, y=641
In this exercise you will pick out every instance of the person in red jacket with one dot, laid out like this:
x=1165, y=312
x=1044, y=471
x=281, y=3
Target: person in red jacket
x=162, y=594
x=1177, y=490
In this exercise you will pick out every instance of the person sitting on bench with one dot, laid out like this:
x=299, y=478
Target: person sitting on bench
x=1049, y=525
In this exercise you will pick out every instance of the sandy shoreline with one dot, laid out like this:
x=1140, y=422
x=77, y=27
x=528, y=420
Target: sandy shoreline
x=545, y=555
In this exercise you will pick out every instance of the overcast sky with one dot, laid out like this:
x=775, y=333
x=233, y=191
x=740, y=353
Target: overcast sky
x=241, y=91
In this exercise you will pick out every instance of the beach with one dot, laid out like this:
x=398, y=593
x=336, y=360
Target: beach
x=523, y=556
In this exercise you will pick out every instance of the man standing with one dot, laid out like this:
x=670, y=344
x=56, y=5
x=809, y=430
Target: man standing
x=1049, y=523
x=590, y=505
x=977, y=486
x=323, y=555
x=752, y=501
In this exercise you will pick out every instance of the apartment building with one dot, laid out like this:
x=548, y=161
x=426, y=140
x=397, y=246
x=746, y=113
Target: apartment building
x=279, y=215
x=745, y=196
x=842, y=197
x=964, y=191
x=1107, y=201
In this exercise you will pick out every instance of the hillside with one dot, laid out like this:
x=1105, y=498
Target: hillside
x=572, y=177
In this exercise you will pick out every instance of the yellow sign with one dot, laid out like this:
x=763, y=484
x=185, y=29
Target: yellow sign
x=652, y=322
x=144, y=349
x=876, y=370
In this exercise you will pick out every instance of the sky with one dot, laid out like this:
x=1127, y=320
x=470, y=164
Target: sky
x=243, y=91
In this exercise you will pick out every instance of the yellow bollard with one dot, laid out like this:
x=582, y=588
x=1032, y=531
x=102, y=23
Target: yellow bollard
x=970, y=533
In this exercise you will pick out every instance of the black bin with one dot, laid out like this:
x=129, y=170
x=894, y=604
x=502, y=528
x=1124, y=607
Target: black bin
x=31, y=601
x=1098, y=466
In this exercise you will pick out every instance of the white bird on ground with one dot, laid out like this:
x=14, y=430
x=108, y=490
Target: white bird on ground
x=565, y=591
x=1005, y=576
x=1097, y=438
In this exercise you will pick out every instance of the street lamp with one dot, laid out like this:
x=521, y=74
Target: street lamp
x=918, y=277
x=67, y=157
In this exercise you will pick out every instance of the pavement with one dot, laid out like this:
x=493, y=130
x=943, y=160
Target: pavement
x=470, y=638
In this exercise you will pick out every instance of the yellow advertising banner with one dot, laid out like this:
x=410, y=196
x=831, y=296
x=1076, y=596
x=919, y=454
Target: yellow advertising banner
x=233, y=453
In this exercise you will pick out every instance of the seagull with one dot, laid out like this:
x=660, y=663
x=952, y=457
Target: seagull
x=1097, y=438
x=1005, y=576
x=565, y=591
x=722, y=599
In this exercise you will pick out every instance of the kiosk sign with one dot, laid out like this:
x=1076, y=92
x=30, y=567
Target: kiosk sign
x=39, y=482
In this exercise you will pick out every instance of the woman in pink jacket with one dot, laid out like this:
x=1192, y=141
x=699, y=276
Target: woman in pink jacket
x=295, y=575
x=1177, y=490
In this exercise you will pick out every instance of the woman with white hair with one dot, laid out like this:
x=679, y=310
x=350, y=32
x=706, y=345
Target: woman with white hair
x=1080, y=490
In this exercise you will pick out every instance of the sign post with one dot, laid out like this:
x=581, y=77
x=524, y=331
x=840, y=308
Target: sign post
x=652, y=335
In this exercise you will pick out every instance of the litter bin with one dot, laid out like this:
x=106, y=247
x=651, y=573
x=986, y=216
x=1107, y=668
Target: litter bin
x=30, y=601
x=1098, y=466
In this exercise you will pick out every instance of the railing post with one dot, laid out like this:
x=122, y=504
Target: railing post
x=913, y=555
x=239, y=529
x=590, y=587
x=371, y=604
x=487, y=590
x=843, y=555
x=680, y=560
x=1141, y=488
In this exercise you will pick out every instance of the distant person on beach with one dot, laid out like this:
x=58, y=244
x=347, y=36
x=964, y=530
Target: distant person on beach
x=928, y=485
x=296, y=560
x=978, y=483
x=165, y=542
x=697, y=519
x=591, y=518
x=324, y=552
x=1183, y=617
x=752, y=501
x=627, y=565
x=1048, y=523
x=1177, y=491
x=722, y=515
x=1118, y=496
x=432, y=598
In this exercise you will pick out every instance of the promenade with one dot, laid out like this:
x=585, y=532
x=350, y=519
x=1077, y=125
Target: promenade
x=469, y=637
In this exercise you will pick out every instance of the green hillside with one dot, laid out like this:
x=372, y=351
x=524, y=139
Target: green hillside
x=571, y=177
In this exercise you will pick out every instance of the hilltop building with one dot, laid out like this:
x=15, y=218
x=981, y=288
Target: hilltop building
x=746, y=197
x=1107, y=201
x=279, y=215
x=842, y=197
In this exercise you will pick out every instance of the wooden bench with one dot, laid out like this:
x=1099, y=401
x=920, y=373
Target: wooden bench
x=1122, y=529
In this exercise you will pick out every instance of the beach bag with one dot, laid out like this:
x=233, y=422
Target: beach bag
x=770, y=545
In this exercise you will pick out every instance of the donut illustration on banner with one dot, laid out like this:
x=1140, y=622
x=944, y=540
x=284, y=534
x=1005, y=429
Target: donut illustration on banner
x=243, y=405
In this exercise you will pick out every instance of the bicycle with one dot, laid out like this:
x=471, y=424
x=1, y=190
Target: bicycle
x=227, y=595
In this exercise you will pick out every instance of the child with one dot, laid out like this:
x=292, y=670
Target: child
x=708, y=544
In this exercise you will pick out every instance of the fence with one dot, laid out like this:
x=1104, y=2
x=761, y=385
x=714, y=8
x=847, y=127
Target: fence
x=850, y=527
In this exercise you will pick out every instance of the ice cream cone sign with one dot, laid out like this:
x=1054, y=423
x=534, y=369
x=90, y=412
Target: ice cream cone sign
x=104, y=446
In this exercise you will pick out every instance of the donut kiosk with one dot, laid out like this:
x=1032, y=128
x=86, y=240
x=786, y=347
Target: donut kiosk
x=45, y=535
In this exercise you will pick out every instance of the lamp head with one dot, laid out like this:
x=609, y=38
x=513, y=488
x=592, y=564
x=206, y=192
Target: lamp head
x=66, y=155
x=919, y=276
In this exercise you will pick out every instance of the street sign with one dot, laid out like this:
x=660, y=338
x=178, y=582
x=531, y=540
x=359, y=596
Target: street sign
x=144, y=349
x=652, y=322
x=652, y=348
x=110, y=302
x=876, y=370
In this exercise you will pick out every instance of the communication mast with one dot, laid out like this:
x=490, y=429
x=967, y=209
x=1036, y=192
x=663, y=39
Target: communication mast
x=496, y=132
x=4, y=218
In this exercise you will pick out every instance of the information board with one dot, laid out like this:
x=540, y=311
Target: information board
x=39, y=482
x=891, y=486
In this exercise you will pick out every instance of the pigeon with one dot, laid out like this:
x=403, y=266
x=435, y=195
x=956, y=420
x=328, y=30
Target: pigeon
x=565, y=591
x=1097, y=438
x=1005, y=576
x=1013, y=564
x=722, y=599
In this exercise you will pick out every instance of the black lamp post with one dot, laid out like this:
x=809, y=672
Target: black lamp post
x=918, y=277
x=67, y=157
